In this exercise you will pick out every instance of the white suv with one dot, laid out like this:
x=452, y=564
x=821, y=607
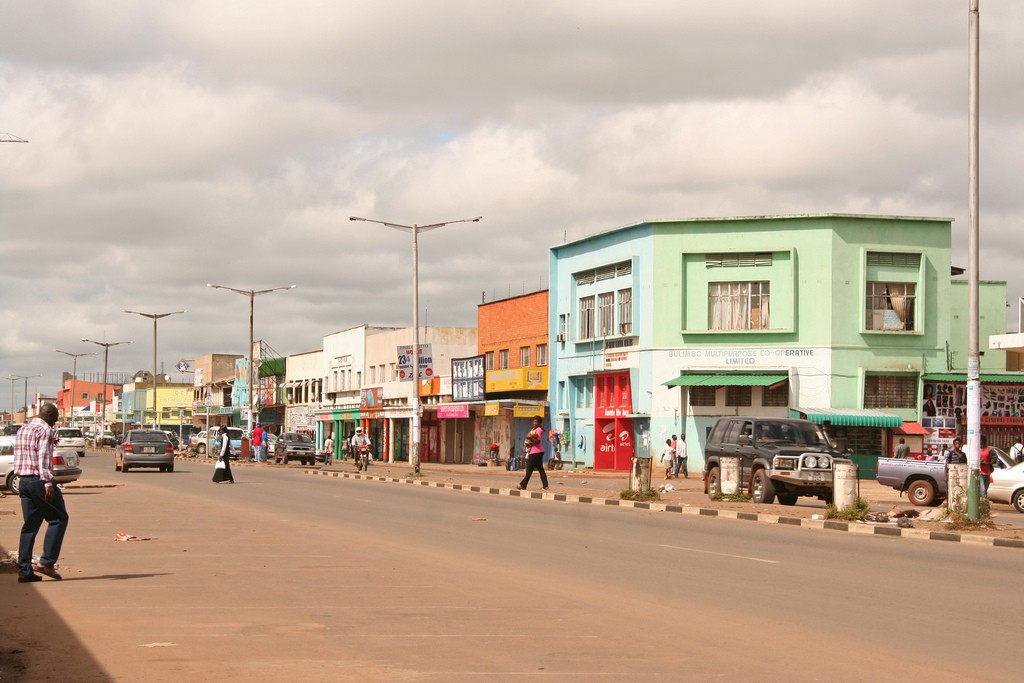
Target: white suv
x=71, y=437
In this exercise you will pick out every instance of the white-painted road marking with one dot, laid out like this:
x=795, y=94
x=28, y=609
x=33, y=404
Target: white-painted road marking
x=709, y=552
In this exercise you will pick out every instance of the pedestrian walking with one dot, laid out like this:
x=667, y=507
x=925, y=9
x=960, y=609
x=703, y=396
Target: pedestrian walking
x=902, y=450
x=40, y=497
x=222, y=468
x=668, y=458
x=534, y=447
x=681, y=456
x=676, y=462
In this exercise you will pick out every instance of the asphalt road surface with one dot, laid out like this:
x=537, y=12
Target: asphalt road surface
x=283, y=576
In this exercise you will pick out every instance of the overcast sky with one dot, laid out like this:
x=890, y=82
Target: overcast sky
x=172, y=144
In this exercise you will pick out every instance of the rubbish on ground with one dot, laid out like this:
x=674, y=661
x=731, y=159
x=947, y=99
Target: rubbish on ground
x=122, y=536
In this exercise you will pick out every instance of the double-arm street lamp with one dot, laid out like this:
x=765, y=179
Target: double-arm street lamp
x=13, y=379
x=70, y=407
x=154, y=317
x=415, y=230
x=106, y=352
x=252, y=294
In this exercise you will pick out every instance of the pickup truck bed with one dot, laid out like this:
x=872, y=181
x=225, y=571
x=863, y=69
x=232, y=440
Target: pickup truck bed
x=923, y=481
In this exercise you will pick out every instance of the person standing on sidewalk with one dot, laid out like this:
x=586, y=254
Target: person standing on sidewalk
x=676, y=462
x=40, y=497
x=535, y=456
x=259, y=440
x=328, y=450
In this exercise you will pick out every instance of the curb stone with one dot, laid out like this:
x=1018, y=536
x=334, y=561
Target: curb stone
x=825, y=525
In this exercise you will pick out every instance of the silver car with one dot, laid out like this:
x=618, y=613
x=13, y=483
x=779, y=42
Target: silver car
x=65, y=465
x=144, y=448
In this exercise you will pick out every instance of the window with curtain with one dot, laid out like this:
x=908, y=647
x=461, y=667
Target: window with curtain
x=587, y=317
x=524, y=356
x=607, y=310
x=542, y=354
x=890, y=306
x=738, y=306
x=626, y=311
x=502, y=359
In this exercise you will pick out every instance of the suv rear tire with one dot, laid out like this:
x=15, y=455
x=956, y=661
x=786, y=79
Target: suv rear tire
x=762, y=490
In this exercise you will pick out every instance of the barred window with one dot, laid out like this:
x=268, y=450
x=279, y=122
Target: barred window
x=738, y=396
x=890, y=391
x=775, y=397
x=738, y=306
x=542, y=354
x=703, y=396
x=524, y=356
x=502, y=359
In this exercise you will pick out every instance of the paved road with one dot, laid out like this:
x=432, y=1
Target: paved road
x=283, y=576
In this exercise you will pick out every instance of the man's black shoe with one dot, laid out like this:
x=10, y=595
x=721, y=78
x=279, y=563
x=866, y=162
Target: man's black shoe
x=30, y=578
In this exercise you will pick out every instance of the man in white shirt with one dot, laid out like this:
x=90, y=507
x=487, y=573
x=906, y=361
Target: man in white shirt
x=1017, y=450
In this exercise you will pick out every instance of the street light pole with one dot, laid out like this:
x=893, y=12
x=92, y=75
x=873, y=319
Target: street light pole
x=415, y=230
x=973, y=346
x=74, y=376
x=154, y=317
x=106, y=352
x=252, y=294
x=13, y=379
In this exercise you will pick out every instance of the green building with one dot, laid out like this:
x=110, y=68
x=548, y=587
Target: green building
x=663, y=326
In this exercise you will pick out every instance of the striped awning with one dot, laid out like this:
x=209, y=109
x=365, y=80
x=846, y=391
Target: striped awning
x=1016, y=378
x=727, y=379
x=847, y=417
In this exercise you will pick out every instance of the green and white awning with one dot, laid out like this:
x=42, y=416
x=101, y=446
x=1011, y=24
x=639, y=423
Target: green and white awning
x=847, y=417
x=727, y=379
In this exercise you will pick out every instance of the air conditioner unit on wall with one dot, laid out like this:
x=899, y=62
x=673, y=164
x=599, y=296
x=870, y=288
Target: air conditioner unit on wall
x=560, y=338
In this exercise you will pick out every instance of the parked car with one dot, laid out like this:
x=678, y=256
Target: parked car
x=781, y=458
x=1007, y=485
x=65, y=465
x=71, y=437
x=294, y=446
x=144, y=448
x=173, y=438
x=924, y=481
